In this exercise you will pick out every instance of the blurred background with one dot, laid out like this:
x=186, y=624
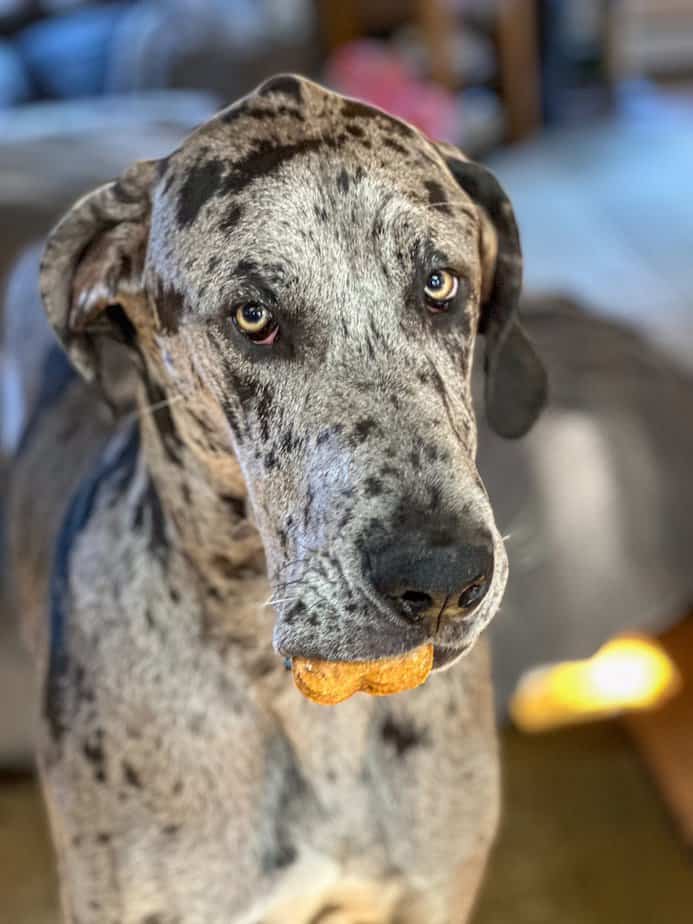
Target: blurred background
x=584, y=109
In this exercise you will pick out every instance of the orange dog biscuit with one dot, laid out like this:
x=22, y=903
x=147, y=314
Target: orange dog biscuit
x=331, y=682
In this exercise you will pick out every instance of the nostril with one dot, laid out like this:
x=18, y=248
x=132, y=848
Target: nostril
x=416, y=602
x=473, y=593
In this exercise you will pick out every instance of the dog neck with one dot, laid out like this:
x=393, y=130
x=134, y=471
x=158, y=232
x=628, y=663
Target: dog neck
x=204, y=509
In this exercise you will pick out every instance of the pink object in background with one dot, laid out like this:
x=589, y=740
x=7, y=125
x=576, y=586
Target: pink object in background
x=366, y=70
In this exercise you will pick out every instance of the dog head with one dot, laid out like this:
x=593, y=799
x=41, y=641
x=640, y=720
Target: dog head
x=312, y=274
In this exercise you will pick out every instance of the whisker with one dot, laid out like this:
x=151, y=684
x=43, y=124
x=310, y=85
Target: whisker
x=272, y=602
x=152, y=408
x=288, y=564
x=285, y=584
x=138, y=413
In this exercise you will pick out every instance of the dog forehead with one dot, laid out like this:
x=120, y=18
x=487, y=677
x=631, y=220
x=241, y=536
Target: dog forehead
x=266, y=134
x=294, y=169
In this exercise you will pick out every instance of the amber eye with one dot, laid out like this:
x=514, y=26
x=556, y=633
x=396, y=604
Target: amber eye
x=256, y=322
x=441, y=287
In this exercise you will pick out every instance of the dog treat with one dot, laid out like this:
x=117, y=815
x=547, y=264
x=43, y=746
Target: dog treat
x=331, y=682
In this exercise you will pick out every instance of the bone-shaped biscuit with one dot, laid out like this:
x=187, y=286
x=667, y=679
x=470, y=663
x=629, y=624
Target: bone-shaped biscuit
x=331, y=682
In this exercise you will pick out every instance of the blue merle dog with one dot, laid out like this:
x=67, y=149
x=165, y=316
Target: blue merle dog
x=283, y=312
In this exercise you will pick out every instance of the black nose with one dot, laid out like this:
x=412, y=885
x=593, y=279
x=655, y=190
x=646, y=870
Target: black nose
x=430, y=572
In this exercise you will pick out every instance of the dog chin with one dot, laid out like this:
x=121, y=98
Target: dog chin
x=444, y=657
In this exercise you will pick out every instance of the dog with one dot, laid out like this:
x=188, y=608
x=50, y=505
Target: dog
x=282, y=314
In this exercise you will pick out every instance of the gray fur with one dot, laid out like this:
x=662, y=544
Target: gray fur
x=186, y=778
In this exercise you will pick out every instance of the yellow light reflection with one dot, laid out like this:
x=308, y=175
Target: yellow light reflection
x=628, y=673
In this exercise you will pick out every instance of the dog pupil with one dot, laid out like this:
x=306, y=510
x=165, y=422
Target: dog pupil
x=435, y=281
x=252, y=313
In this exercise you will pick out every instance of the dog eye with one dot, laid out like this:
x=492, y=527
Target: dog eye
x=257, y=323
x=441, y=287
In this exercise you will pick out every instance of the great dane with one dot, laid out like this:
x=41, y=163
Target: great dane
x=283, y=314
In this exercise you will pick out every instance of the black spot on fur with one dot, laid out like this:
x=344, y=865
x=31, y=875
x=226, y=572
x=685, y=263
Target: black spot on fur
x=202, y=182
x=291, y=111
x=224, y=566
x=437, y=196
x=270, y=460
x=364, y=428
x=353, y=109
x=355, y=130
x=244, y=388
x=373, y=487
x=93, y=750
x=306, y=509
x=259, y=113
x=170, y=830
x=170, y=305
x=264, y=409
x=230, y=221
x=343, y=181
x=103, y=838
x=264, y=158
x=149, y=508
x=395, y=145
x=289, y=441
x=320, y=213
x=235, y=505
x=285, y=855
x=403, y=735
x=323, y=436
x=131, y=776
x=285, y=84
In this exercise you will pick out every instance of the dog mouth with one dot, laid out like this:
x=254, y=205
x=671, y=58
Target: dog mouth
x=449, y=644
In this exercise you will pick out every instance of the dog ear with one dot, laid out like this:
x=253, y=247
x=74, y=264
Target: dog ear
x=516, y=383
x=91, y=271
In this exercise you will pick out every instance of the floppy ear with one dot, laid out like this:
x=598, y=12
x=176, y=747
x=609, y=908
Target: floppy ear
x=516, y=384
x=91, y=271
